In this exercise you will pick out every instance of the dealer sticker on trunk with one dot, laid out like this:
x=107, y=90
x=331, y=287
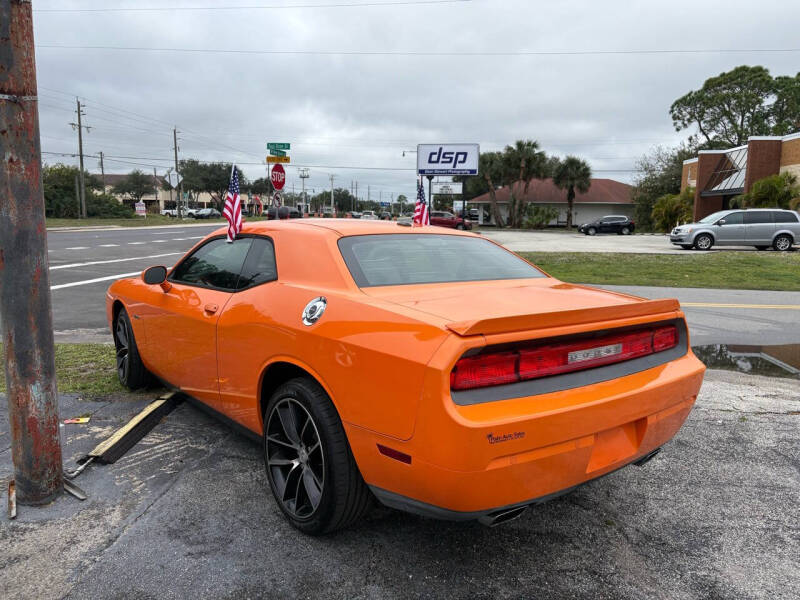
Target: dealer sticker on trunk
x=593, y=353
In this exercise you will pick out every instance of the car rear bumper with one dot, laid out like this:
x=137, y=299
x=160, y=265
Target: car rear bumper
x=488, y=458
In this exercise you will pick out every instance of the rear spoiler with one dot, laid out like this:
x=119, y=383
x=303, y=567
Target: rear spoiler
x=564, y=317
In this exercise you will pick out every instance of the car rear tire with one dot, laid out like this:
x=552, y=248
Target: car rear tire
x=626, y=231
x=591, y=231
x=783, y=243
x=703, y=242
x=460, y=227
x=130, y=368
x=311, y=470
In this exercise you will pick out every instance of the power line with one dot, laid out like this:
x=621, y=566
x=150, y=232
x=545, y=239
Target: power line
x=250, y=7
x=413, y=53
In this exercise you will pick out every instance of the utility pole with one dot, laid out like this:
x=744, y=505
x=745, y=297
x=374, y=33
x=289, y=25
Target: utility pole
x=177, y=172
x=80, y=127
x=303, y=174
x=155, y=190
x=355, y=198
x=103, y=172
x=25, y=310
x=333, y=208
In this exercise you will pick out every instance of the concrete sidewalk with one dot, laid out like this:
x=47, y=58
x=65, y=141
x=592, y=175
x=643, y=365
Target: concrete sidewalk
x=188, y=514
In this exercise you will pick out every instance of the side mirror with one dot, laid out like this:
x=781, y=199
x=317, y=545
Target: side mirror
x=721, y=222
x=157, y=276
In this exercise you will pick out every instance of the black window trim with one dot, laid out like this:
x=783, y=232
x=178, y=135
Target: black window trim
x=222, y=289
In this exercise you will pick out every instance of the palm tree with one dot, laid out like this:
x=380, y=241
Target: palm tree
x=522, y=162
x=491, y=167
x=572, y=174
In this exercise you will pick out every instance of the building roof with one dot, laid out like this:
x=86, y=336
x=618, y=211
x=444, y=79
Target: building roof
x=544, y=191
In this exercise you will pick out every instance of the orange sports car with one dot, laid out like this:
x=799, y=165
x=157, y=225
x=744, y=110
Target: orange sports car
x=429, y=368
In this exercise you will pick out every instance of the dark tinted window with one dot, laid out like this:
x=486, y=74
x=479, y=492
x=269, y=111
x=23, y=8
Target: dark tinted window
x=259, y=267
x=734, y=219
x=400, y=259
x=784, y=216
x=215, y=264
x=752, y=217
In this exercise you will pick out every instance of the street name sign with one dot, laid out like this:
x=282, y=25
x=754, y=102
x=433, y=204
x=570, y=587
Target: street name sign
x=278, y=177
x=448, y=159
x=278, y=146
x=278, y=159
x=277, y=152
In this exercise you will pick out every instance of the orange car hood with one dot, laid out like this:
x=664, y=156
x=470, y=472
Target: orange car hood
x=488, y=307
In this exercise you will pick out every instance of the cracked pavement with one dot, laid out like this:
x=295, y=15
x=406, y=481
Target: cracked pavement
x=187, y=513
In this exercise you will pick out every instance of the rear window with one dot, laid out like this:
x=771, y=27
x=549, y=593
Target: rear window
x=404, y=259
x=784, y=216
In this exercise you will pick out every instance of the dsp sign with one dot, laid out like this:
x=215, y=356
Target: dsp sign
x=278, y=177
x=448, y=159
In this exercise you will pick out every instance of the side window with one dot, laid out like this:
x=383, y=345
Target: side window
x=259, y=267
x=216, y=264
x=784, y=216
x=757, y=216
x=734, y=219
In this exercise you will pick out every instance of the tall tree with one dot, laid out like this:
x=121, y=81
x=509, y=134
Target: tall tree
x=572, y=174
x=522, y=163
x=659, y=175
x=135, y=185
x=734, y=105
x=491, y=169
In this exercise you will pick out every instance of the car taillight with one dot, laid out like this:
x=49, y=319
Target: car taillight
x=543, y=360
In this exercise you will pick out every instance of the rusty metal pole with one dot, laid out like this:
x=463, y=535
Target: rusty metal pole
x=25, y=311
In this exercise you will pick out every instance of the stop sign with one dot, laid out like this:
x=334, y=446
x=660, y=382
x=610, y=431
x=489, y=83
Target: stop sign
x=278, y=177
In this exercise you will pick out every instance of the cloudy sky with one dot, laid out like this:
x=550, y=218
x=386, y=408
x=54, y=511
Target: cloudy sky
x=352, y=87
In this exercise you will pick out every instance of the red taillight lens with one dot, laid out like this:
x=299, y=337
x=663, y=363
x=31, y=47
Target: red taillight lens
x=532, y=362
x=487, y=369
x=665, y=338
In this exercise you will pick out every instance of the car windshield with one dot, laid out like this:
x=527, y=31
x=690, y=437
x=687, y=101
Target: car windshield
x=713, y=217
x=403, y=259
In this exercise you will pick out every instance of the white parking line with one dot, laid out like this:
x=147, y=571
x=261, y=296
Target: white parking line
x=78, y=248
x=159, y=241
x=135, y=243
x=178, y=239
x=197, y=237
x=88, y=281
x=115, y=260
x=108, y=245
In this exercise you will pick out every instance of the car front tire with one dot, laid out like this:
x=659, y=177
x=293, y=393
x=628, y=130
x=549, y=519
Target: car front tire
x=130, y=368
x=783, y=243
x=703, y=242
x=311, y=470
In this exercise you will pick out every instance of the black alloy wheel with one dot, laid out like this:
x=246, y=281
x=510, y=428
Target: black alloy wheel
x=310, y=467
x=130, y=368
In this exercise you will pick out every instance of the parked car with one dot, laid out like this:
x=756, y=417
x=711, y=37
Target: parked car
x=430, y=369
x=282, y=212
x=618, y=224
x=447, y=219
x=355, y=214
x=386, y=216
x=206, y=213
x=169, y=212
x=369, y=215
x=759, y=227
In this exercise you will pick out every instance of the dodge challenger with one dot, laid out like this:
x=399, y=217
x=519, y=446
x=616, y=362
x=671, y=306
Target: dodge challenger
x=427, y=368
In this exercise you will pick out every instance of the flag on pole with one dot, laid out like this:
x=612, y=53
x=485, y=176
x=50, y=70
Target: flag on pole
x=233, y=206
x=421, y=216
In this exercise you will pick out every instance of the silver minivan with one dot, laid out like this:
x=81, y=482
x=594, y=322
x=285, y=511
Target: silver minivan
x=759, y=227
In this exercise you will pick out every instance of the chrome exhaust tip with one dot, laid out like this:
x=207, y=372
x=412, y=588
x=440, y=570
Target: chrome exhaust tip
x=502, y=516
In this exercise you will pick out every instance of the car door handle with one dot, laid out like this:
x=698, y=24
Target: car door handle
x=211, y=308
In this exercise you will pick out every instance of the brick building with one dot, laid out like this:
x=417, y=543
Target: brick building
x=719, y=175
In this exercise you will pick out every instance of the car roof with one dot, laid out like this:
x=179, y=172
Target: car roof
x=345, y=227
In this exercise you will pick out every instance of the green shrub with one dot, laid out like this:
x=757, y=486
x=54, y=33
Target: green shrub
x=537, y=217
x=672, y=209
x=107, y=207
x=775, y=191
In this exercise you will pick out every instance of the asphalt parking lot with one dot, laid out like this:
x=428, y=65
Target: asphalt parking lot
x=188, y=514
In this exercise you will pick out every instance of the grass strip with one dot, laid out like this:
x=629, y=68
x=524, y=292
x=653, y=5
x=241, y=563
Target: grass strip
x=86, y=369
x=778, y=271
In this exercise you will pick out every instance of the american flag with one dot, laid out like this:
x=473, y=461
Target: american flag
x=233, y=206
x=421, y=216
